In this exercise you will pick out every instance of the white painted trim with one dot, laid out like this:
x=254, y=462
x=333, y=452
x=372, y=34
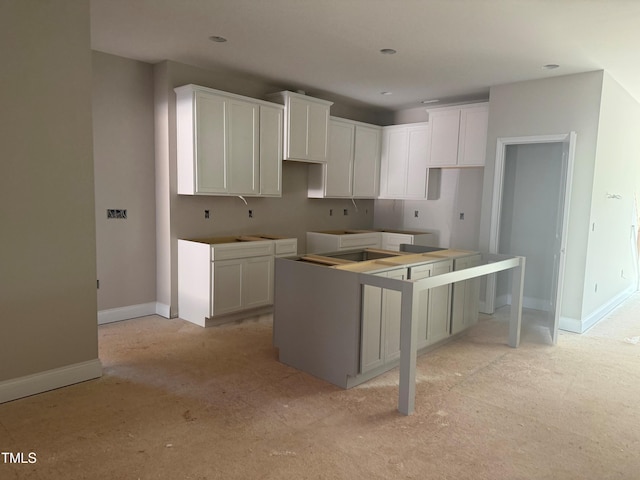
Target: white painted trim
x=49, y=380
x=580, y=326
x=125, y=313
x=502, y=143
x=569, y=324
x=163, y=310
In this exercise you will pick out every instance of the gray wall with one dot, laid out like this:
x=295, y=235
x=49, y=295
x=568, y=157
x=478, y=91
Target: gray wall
x=48, y=269
x=124, y=179
x=529, y=215
x=183, y=216
x=560, y=105
x=611, y=259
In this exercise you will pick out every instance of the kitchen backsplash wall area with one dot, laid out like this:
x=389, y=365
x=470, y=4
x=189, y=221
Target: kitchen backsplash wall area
x=291, y=215
x=453, y=219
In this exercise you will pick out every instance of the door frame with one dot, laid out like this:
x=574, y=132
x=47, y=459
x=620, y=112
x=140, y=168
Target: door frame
x=568, y=158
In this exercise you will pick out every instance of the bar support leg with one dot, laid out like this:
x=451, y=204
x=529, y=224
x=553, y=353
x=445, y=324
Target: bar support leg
x=517, y=290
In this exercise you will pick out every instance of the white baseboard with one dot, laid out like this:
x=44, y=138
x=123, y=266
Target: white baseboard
x=125, y=313
x=163, y=310
x=49, y=380
x=580, y=326
x=133, y=311
x=527, y=302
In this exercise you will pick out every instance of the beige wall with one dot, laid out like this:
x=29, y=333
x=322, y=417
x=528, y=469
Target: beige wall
x=47, y=259
x=556, y=105
x=124, y=179
x=181, y=216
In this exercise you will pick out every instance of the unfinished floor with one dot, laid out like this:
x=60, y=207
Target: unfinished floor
x=181, y=402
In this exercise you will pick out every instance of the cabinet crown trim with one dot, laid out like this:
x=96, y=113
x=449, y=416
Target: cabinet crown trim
x=190, y=88
x=287, y=94
x=461, y=106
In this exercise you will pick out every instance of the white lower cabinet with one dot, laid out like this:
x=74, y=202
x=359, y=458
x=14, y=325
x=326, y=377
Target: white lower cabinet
x=380, y=341
x=391, y=240
x=336, y=240
x=220, y=279
x=241, y=284
x=434, y=311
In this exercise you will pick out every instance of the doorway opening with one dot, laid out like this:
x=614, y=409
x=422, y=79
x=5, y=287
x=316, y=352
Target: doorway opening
x=532, y=187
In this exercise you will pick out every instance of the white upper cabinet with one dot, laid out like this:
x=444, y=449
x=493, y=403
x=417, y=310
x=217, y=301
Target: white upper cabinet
x=306, y=127
x=271, y=123
x=458, y=135
x=366, y=161
x=353, y=163
x=403, y=170
x=338, y=171
x=243, y=156
x=227, y=144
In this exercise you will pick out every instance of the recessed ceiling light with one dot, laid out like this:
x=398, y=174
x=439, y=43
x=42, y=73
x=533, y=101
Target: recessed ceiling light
x=216, y=38
x=387, y=51
x=550, y=66
x=386, y=93
x=435, y=100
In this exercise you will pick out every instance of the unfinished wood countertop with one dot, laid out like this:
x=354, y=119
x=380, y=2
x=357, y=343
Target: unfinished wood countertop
x=402, y=260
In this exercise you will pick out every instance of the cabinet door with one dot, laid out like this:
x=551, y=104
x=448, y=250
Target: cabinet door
x=472, y=144
x=418, y=273
x=366, y=162
x=211, y=159
x=243, y=162
x=317, y=132
x=444, y=129
x=257, y=282
x=371, y=346
x=393, y=172
x=439, y=306
x=297, y=118
x=227, y=286
x=338, y=169
x=391, y=308
x=380, y=341
x=464, y=307
x=416, y=180
x=270, y=151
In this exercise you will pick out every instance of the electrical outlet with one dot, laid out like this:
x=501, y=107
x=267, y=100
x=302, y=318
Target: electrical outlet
x=250, y=213
x=345, y=212
x=206, y=214
x=461, y=215
x=116, y=213
x=415, y=213
x=330, y=212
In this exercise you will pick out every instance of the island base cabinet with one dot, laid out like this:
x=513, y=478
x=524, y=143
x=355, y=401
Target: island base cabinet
x=381, y=324
x=434, y=307
x=466, y=296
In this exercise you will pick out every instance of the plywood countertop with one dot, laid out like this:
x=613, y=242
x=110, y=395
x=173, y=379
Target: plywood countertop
x=402, y=260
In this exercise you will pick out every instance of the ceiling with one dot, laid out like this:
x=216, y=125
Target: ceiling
x=450, y=50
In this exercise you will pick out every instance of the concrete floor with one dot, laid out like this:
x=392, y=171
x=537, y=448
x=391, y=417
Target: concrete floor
x=180, y=402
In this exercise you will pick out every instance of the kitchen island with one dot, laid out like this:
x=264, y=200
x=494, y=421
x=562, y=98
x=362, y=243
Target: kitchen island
x=349, y=321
